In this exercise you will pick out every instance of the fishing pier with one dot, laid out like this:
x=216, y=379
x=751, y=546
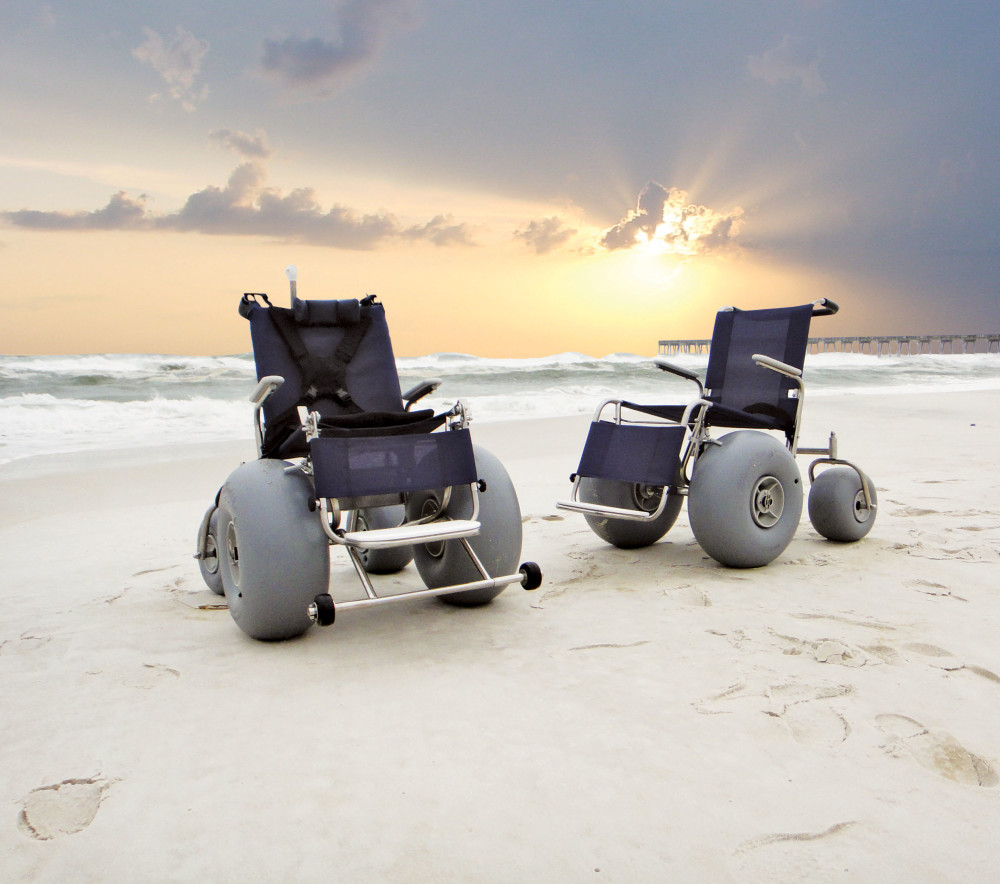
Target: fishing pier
x=875, y=345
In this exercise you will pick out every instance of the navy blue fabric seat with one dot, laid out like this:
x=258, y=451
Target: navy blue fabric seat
x=629, y=453
x=743, y=395
x=336, y=359
x=369, y=373
x=743, y=489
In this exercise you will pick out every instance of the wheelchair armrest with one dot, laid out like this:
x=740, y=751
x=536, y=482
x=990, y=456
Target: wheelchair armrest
x=664, y=365
x=776, y=365
x=675, y=369
x=420, y=390
x=265, y=387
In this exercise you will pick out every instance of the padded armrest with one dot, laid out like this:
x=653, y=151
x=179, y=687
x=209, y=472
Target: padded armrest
x=681, y=373
x=776, y=365
x=265, y=387
x=420, y=390
x=677, y=370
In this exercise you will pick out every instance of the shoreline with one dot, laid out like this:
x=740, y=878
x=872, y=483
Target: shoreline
x=647, y=713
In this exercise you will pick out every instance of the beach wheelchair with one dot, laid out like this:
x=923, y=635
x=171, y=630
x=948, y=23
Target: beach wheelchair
x=345, y=461
x=744, y=491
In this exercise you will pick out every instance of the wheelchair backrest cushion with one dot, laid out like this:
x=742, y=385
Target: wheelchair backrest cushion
x=371, y=377
x=735, y=380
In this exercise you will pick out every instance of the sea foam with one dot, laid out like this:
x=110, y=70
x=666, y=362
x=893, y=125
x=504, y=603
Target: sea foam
x=69, y=403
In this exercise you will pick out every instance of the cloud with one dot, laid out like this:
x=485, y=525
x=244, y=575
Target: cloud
x=792, y=61
x=121, y=213
x=249, y=146
x=178, y=62
x=546, y=235
x=665, y=217
x=441, y=231
x=363, y=28
x=246, y=207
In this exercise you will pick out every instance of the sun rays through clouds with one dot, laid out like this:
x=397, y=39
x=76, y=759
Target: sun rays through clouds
x=666, y=222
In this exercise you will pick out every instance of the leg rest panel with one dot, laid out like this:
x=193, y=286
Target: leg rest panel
x=630, y=453
x=357, y=466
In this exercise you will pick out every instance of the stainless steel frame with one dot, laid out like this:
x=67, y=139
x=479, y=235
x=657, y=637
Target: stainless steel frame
x=435, y=527
x=699, y=435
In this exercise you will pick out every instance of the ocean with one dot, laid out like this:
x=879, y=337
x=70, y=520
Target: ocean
x=56, y=404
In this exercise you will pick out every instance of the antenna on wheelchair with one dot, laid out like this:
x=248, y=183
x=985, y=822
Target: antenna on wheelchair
x=292, y=272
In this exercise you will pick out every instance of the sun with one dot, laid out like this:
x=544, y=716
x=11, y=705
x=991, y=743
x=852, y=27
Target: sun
x=653, y=246
x=654, y=262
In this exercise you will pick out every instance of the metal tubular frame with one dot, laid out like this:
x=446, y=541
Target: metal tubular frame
x=329, y=510
x=699, y=436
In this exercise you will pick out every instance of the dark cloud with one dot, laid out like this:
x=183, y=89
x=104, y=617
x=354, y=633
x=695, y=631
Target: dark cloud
x=684, y=228
x=246, y=145
x=246, y=207
x=794, y=60
x=362, y=29
x=646, y=217
x=546, y=235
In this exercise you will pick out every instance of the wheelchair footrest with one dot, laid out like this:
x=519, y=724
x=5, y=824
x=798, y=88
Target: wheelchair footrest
x=385, y=538
x=611, y=512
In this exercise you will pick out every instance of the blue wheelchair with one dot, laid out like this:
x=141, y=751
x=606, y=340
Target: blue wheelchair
x=744, y=491
x=345, y=461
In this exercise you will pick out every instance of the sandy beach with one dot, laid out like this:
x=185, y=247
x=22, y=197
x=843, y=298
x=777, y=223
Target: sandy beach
x=644, y=716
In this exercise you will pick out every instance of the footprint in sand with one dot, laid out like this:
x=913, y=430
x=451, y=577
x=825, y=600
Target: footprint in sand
x=823, y=650
x=690, y=595
x=809, y=722
x=937, y=750
x=27, y=642
x=812, y=724
x=151, y=675
x=589, y=568
x=916, y=511
x=61, y=809
x=935, y=589
x=935, y=656
x=788, y=856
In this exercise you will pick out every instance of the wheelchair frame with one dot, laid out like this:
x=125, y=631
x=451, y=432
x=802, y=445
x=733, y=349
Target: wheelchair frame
x=433, y=528
x=698, y=437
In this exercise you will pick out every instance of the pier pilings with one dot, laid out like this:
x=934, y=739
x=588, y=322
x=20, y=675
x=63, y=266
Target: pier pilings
x=875, y=345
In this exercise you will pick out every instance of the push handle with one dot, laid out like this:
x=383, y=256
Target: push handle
x=292, y=272
x=824, y=307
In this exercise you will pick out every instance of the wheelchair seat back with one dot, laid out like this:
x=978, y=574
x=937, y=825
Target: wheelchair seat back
x=335, y=356
x=735, y=382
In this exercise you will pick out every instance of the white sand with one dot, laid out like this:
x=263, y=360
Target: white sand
x=644, y=716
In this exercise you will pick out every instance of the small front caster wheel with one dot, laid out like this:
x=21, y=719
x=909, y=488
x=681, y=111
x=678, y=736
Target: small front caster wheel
x=322, y=611
x=837, y=505
x=531, y=575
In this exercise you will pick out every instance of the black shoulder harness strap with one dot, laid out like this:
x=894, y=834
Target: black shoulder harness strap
x=322, y=377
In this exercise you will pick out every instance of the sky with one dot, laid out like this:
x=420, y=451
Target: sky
x=510, y=177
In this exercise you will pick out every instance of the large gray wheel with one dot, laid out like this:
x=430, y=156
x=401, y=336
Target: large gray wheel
x=273, y=553
x=383, y=561
x=745, y=499
x=209, y=561
x=625, y=533
x=837, y=507
x=498, y=544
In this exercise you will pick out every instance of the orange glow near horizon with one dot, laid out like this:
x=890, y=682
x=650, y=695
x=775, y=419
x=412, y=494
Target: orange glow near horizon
x=95, y=292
